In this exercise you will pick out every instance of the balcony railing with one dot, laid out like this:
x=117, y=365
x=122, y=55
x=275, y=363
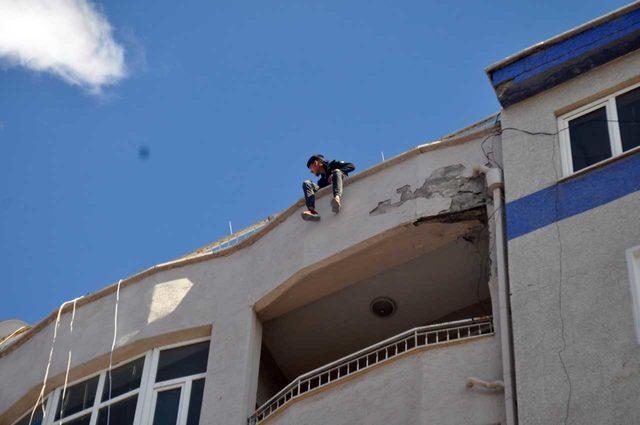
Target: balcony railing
x=364, y=359
x=231, y=240
x=237, y=237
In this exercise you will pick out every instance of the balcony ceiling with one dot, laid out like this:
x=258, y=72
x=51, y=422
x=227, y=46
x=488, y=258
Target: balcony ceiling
x=426, y=288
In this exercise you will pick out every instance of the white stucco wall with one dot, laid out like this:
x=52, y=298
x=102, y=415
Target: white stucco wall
x=571, y=276
x=221, y=291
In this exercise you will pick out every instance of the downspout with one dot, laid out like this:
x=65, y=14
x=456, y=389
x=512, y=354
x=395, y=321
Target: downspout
x=495, y=186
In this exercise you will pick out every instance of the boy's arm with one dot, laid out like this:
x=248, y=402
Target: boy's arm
x=345, y=167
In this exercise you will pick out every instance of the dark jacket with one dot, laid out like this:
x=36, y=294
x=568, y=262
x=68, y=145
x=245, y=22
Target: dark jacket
x=330, y=167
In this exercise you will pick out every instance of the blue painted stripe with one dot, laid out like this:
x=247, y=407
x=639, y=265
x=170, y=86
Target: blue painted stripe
x=573, y=197
x=571, y=48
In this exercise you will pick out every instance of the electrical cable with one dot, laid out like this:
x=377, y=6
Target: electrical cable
x=555, y=133
x=113, y=346
x=560, y=254
x=486, y=154
x=499, y=132
x=560, y=285
x=66, y=375
x=12, y=334
x=40, y=397
x=483, y=259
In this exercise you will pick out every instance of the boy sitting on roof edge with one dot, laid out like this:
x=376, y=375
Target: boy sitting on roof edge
x=330, y=173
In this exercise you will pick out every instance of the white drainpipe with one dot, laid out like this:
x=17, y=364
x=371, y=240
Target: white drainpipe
x=494, y=187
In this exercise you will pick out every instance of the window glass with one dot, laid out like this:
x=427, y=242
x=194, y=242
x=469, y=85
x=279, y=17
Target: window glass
x=589, y=137
x=83, y=420
x=182, y=361
x=628, y=105
x=77, y=398
x=122, y=412
x=125, y=378
x=167, y=404
x=195, y=402
x=37, y=418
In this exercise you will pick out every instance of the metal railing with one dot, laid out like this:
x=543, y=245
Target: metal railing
x=237, y=237
x=231, y=240
x=375, y=354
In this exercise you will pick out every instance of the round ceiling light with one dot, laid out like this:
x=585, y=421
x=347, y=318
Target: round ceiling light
x=383, y=306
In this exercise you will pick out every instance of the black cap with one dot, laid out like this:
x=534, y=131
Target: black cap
x=313, y=158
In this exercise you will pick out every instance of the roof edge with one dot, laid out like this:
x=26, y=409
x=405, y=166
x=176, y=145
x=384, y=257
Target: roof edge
x=562, y=36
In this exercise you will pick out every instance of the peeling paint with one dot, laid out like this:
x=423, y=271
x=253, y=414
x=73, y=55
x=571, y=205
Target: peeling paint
x=445, y=182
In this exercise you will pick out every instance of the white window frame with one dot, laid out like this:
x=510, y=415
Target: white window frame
x=153, y=387
x=145, y=405
x=633, y=264
x=97, y=403
x=47, y=407
x=609, y=103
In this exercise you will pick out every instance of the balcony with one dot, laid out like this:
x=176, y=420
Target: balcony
x=326, y=334
x=404, y=344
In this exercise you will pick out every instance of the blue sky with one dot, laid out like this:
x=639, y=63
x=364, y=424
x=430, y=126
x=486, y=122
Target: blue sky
x=229, y=99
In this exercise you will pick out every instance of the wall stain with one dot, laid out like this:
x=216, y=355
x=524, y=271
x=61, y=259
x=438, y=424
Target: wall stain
x=445, y=182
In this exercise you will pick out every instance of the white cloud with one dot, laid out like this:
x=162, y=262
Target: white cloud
x=69, y=38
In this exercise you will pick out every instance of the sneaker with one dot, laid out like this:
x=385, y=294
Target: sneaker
x=310, y=215
x=335, y=204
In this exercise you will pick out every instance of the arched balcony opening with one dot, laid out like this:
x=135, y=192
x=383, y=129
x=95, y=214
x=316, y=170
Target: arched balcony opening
x=422, y=284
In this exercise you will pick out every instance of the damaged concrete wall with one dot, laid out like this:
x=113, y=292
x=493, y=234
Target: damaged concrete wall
x=445, y=182
x=221, y=291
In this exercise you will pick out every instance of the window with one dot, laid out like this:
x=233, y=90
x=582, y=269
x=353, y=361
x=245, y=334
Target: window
x=37, y=415
x=628, y=107
x=77, y=398
x=179, y=384
x=164, y=387
x=601, y=130
x=116, y=404
x=633, y=262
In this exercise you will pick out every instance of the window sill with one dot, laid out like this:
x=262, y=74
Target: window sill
x=599, y=165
